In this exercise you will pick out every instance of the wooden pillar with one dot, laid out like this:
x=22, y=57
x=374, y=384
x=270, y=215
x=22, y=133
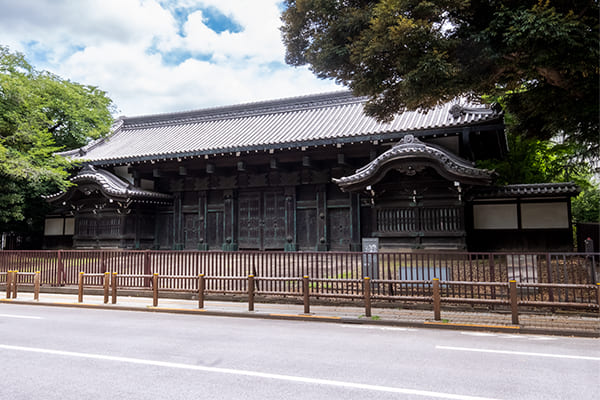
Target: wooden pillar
x=355, y=242
x=202, y=215
x=177, y=222
x=138, y=228
x=290, y=219
x=230, y=220
x=322, y=241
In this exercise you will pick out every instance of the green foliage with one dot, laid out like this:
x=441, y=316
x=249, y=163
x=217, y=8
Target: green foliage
x=40, y=114
x=586, y=206
x=532, y=160
x=542, y=56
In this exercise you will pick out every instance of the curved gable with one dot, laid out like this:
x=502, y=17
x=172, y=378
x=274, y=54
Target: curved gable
x=410, y=156
x=109, y=185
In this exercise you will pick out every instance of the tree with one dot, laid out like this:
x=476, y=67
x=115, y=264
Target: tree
x=40, y=114
x=531, y=160
x=541, y=56
x=586, y=206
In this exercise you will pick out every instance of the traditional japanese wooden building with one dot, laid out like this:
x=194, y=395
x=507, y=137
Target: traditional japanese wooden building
x=306, y=173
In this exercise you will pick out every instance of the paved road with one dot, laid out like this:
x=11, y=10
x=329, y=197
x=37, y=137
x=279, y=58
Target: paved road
x=63, y=353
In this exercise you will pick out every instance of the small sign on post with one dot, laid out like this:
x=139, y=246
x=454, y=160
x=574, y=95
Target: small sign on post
x=370, y=266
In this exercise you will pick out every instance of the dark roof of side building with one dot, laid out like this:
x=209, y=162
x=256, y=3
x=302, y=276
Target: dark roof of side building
x=527, y=190
x=111, y=186
x=295, y=122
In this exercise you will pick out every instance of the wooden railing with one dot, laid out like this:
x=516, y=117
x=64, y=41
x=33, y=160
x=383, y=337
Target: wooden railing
x=338, y=270
x=435, y=291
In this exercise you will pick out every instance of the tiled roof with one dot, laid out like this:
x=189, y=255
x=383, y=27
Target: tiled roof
x=408, y=156
x=112, y=186
x=295, y=122
x=528, y=190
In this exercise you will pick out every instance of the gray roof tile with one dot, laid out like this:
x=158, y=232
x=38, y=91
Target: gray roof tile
x=283, y=123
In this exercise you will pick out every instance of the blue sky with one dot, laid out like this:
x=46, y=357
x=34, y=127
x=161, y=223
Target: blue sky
x=154, y=56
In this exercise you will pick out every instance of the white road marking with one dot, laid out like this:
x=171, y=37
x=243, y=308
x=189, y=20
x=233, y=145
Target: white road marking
x=545, y=338
x=518, y=353
x=255, y=374
x=380, y=328
x=509, y=336
x=19, y=316
x=478, y=334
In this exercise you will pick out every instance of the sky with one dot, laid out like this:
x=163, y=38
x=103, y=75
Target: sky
x=158, y=56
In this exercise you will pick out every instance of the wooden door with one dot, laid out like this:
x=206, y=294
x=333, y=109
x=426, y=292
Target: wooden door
x=261, y=220
x=249, y=220
x=214, y=229
x=273, y=233
x=307, y=228
x=339, y=228
x=190, y=230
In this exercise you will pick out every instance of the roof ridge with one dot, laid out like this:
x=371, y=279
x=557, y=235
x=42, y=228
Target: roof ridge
x=243, y=109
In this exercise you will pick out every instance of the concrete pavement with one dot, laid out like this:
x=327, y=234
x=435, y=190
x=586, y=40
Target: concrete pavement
x=585, y=325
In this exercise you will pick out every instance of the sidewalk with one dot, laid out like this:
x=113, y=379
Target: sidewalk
x=551, y=324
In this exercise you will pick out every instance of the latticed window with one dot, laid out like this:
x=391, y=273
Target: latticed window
x=419, y=219
x=85, y=226
x=109, y=226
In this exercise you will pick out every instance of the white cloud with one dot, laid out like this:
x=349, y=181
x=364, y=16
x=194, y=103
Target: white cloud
x=133, y=50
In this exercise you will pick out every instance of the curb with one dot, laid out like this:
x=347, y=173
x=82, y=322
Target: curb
x=512, y=329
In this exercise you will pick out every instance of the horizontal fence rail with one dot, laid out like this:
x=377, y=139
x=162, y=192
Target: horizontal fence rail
x=551, y=279
x=434, y=291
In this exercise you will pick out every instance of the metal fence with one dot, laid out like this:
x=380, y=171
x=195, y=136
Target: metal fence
x=542, y=277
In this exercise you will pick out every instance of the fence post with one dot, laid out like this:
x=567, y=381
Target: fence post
x=250, y=292
x=60, y=273
x=201, y=291
x=437, y=300
x=80, y=288
x=306, y=294
x=15, y=283
x=106, y=285
x=8, y=284
x=598, y=295
x=493, y=275
x=367, y=295
x=155, y=289
x=513, y=302
x=113, y=283
x=36, y=286
x=147, y=267
x=549, y=269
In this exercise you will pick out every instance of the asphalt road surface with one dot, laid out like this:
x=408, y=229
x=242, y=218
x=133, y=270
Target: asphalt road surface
x=65, y=353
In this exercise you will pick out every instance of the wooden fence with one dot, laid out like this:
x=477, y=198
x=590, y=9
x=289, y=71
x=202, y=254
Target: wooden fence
x=583, y=296
x=394, y=276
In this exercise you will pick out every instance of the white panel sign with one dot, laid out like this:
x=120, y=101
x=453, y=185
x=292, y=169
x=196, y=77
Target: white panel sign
x=69, y=226
x=544, y=215
x=53, y=227
x=495, y=216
